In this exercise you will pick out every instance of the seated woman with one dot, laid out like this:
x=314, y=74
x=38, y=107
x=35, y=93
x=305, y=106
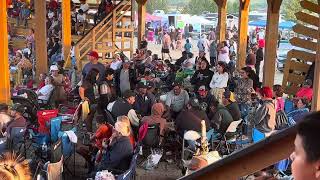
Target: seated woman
x=119, y=151
x=278, y=95
x=42, y=78
x=300, y=105
x=45, y=92
x=219, y=81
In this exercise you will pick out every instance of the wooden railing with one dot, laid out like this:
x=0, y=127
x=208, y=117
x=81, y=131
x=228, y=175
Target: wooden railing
x=108, y=36
x=251, y=159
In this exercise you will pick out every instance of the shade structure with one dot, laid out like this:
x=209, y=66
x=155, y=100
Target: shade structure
x=151, y=18
x=286, y=25
x=261, y=23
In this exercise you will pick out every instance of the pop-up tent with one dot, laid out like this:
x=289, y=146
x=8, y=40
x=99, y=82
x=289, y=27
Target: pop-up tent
x=282, y=25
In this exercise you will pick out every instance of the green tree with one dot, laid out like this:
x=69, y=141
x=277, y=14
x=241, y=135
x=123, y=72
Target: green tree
x=199, y=6
x=233, y=7
x=157, y=5
x=290, y=7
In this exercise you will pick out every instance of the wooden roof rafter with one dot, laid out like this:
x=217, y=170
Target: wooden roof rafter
x=275, y=5
x=141, y=2
x=244, y=4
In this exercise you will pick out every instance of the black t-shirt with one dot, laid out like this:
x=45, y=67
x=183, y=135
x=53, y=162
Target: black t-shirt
x=143, y=44
x=88, y=90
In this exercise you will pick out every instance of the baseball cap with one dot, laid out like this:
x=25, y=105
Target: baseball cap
x=94, y=54
x=202, y=88
x=194, y=102
x=229, y=95
x=128, y=94
x=54, y=68
x=141, y=85
x=176, y=83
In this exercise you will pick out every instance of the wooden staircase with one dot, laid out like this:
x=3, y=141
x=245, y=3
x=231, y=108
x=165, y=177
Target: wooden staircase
x=298, y=61
x=114, y=33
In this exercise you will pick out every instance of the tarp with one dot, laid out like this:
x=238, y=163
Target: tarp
x=282, y=25
x=261, y=23
x=150, y=18
x=286, y=25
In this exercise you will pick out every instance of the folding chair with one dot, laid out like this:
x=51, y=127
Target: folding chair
x=67, y=149
x=231, y=129
x=3, y=144
x=189, y=136
x=257, y=135
x=152, y=138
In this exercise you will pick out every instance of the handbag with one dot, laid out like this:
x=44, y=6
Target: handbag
x=281, y=120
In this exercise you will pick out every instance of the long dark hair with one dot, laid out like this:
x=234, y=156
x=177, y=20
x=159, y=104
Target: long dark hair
x=92, y=75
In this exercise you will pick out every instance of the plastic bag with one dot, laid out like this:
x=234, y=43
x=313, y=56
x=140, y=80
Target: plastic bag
x=153, y=159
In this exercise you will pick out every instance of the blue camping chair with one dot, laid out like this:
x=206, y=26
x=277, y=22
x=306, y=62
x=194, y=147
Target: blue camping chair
x=55, y=127
x=283, y=166
x=288, y=106
x=257, y=135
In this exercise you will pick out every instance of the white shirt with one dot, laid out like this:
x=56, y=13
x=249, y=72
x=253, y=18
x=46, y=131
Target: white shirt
x=81, y=18
x=203, y=44
x=115, y=65
x=45, y=92
x=219, y=80
x=224, y=56
x=84, y=7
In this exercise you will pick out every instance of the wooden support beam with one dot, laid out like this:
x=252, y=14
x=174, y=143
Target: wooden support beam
x=306, y=4
x=306, y=44
x=243, y=32
x=272, y=33
x=302, y=55
x=307, y=18
x=251, y=159
x=4, y=60
x=66, y=31
x=306, y=31
x=222, y=19
x=316, y=81
x=41, y=37
x=142, y=9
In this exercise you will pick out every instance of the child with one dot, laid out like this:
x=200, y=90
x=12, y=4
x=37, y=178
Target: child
x=278, y=94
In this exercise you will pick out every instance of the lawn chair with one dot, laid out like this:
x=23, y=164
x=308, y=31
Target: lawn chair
x=231, y=129
x=130, y=174
x=152, y=138
x=67, y=148
x=47, y=104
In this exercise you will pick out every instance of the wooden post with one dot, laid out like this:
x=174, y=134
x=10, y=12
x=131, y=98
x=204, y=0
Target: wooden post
x=40, y=37
x=243, y=32
x=316, y=81
x=271, y=38
x=4, y=61
x=222, y=11
x=141, y=19
x=66, y=31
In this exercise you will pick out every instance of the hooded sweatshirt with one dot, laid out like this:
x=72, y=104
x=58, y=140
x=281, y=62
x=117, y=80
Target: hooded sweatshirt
x=201, y=77
x=156, y=117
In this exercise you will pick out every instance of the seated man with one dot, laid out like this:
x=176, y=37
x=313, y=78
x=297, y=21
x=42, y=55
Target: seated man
x=122, y=106
x=205, y=98
x=143, y=102
x=306, y=155
x=17, y=119
x=230, y=103
x=220, y=117
x=177, y=99
x=45, y=92
x=190, y=119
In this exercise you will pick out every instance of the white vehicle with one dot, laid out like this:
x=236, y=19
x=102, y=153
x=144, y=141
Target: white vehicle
x=158, y=12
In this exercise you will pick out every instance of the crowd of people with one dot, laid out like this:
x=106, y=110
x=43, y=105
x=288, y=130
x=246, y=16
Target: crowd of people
x=125, y=96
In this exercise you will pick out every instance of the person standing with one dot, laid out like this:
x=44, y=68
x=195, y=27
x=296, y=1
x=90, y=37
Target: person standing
x=125, y=78
x=212, y=35
x=213, y=53
x=259, y=57
x=203, y=44
x=93, y=58
x=223, y=52
x=186, y=31
x=166, y=45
